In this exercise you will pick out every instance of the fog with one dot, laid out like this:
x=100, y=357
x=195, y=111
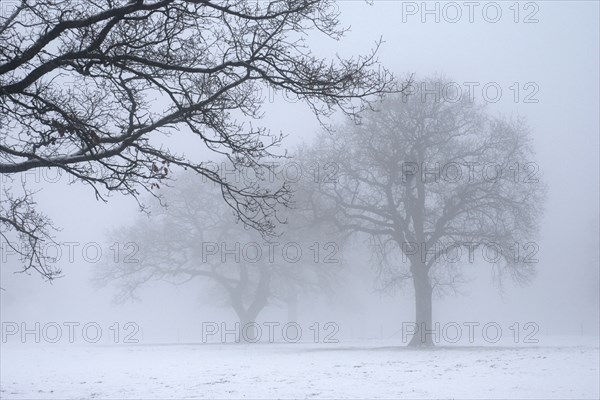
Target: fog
x=552, y=63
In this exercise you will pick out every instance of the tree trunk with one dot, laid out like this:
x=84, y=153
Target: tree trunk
x=248, y=315
x=423, y=309
x=248, y=332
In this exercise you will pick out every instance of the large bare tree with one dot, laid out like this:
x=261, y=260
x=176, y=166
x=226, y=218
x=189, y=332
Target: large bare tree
x=98, y=90
x=196, y=236
x=435, y=182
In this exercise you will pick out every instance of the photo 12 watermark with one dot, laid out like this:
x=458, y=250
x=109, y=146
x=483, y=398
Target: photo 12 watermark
x=70, y=332
x=454, y=252
x=71, y=252
x=271, y=332
x=270, y=252
x=471, y=332
x=489, y=92
x=276, y=171
x=459, y=172
x=471, y=12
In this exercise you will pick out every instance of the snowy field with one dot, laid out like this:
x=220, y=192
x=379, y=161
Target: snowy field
x=567, y=368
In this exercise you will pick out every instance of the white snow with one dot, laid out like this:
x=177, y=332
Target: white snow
x=568, y=369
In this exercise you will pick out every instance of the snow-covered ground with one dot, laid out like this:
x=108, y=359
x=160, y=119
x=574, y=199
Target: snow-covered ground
x=564, y=369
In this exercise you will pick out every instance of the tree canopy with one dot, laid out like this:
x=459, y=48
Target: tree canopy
x=430, y=181
x=99, y=89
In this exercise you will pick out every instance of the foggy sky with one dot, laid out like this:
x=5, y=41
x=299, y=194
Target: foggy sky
x=559, y=54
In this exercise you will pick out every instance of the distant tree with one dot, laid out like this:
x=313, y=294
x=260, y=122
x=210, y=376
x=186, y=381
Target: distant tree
x=197, y=236
x=431, y=180
x=97, y=89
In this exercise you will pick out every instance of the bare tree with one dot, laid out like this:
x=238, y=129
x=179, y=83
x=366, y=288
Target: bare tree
x=96, y=90
x=428, y=178
x=196, y=236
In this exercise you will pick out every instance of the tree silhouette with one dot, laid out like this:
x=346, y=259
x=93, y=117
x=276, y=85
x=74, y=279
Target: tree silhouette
x=97, y=90
x=431, y=181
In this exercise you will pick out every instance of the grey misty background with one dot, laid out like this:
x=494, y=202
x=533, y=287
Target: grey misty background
x=563, y=299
